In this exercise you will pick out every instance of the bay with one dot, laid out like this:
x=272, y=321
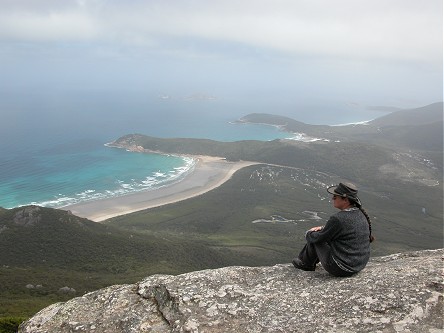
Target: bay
x=53, y=153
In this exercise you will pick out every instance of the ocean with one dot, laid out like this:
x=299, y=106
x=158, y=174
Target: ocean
x=53, y=149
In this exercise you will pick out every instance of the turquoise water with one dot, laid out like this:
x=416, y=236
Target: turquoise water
x=65, y=173
x=57, y=180
x=53, y=153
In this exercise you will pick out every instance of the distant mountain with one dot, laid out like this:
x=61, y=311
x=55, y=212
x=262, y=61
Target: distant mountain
x=383, y=108
x=427, y=137
x=420, y=128
x=429, y=114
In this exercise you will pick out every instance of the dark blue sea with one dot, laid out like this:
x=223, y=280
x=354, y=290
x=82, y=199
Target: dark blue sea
x=53, y=152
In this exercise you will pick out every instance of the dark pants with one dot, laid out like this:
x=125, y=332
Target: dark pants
x=311, y=254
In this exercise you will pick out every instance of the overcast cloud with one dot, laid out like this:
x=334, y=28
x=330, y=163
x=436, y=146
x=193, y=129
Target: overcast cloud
x=372, y=51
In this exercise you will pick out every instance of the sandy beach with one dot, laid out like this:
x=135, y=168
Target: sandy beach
x=209, y=173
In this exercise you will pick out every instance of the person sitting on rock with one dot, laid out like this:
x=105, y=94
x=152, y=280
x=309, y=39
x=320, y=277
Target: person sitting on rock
x=343, y=244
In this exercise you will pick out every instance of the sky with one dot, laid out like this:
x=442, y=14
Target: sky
x=286, y=53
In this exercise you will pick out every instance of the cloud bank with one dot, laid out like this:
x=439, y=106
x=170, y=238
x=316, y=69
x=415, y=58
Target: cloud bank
x=395, y=30
x=379, y=51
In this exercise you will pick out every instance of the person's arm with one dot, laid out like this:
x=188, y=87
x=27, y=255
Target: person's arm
x=323, y=234
x=316, y=228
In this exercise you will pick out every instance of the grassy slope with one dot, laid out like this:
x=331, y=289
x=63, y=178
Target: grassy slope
x=216, y=229
x=64, y=250
x=395, y=197
x=399, y=224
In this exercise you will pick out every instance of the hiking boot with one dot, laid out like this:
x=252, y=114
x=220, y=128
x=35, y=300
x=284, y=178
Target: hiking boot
x=299, y=264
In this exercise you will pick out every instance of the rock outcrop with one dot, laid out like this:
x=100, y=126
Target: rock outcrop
x=28, y=216
x=396, y=293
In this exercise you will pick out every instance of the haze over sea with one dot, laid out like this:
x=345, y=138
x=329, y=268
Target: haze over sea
x=75, y=75
x=53, y=153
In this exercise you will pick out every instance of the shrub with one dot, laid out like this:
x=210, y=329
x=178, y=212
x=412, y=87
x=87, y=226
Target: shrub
x=10, y=324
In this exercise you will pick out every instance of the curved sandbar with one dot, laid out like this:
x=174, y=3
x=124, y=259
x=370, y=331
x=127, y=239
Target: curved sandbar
x=209, y=173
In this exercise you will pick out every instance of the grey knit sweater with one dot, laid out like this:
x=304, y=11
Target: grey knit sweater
x=347, y=233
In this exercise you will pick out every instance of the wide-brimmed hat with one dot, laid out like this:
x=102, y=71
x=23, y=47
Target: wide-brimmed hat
x=345, y=190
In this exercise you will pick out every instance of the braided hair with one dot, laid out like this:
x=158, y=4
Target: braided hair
x=359, y=205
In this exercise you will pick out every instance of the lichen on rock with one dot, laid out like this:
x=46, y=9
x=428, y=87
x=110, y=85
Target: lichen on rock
x=396, y=293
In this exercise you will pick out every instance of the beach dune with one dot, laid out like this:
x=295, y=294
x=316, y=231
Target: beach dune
x=209, y=173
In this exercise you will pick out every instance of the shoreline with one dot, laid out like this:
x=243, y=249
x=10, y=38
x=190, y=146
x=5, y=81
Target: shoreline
x=209, y=173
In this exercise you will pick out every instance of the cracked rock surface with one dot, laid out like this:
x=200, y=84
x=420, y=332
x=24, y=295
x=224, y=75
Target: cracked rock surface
x=396, y=293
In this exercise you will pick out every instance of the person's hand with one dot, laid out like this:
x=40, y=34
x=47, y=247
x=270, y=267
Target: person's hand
x=316, y=228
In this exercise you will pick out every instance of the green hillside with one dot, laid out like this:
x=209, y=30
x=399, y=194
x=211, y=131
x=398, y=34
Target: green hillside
x=54, y=249
x=256, y=218
x=260, y=192
x=428, y=114
x=353, y=160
